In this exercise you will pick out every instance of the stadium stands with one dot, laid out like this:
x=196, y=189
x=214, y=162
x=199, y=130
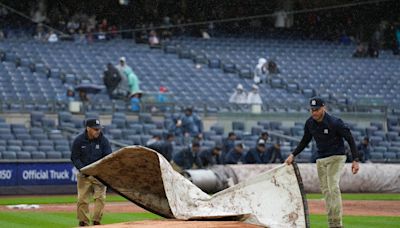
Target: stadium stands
x=38, y=86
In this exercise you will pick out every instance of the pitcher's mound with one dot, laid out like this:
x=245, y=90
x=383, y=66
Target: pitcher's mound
x=179, y=223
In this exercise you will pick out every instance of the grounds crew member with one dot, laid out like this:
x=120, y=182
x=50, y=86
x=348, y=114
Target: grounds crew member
x=88, y=147
x=328, y=132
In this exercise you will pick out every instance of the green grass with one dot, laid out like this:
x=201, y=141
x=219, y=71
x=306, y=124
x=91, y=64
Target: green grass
x=320, y=221
x=51, y=199
x=62, y=219
x=361, y=196
x=116, y=198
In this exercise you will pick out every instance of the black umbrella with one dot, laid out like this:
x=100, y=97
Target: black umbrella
x=89, y=88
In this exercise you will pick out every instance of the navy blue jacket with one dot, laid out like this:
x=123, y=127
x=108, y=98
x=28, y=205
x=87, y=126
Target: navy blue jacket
x=253, y=156
x=186, y=159
x=272, y=154
x=233, y=157
x=165, y=148
x=207, y=158
x=328, y=135
x=85, y=151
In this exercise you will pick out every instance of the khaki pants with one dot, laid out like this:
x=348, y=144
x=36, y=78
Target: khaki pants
x=329, y=171
x=89, y=186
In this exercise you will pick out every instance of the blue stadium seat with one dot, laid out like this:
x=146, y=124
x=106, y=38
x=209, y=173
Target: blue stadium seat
x=23, y=155
x=38, y=155
x=11, y=155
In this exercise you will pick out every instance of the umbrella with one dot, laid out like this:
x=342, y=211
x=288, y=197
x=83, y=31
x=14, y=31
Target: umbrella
x=89, y=87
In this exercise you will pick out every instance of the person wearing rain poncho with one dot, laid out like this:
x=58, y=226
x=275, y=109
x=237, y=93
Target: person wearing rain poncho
x=260, y=70
x=254, y=96
x=123, y=90
x=239, y=96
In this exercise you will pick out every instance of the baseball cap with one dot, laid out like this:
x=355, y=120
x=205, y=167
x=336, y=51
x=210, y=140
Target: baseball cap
x=316, y=103
x=122, y=59
x=261, y=142
x=93, y=123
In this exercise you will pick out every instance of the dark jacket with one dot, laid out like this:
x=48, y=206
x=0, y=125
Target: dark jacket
x=272, y=155
x=227, y=145
x=233, y=157
x=207, y=158
x=111, y=78
x=85, y=151
x=192, y=124
x=328, y=135
x=165, y=148
x=253, y=156
x=364, y=152
x=186, y=159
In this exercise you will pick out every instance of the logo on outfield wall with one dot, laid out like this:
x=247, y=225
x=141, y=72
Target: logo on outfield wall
x=5, y=174
x=74, y=172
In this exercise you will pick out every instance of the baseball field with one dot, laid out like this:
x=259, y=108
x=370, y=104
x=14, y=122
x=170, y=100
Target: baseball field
x=360, y=210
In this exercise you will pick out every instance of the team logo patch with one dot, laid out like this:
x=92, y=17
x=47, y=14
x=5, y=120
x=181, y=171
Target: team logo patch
x=98, y=122
x=313, y=102
x=326, y=131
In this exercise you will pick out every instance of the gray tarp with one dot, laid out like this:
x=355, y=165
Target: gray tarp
x=270, y=199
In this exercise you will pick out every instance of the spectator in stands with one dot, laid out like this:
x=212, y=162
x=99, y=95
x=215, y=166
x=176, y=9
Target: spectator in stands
x=254, y=96
x=122, y=90
x=239, y=96
x=191, y=124
x=255, y=155
x=235, y=155
x=374, y=44
x=83, y=96
x=52, y=37
x=175, y=128
x=40, y=34
x=136, y=101
x=141, y=36
x=364, y=150
x=204, y=34
x=264, y=135
x=227, y=145
x=272, y=67
x=373, y=49
x=125, y=70
x=154, y=41
x=161, y=99
x=328, y=132
x=154, y=139
x=273, y=154
x=111, y=79
x=134, y=82
x=88, y=147
x=164, y=147
x=70, y=94
x=260, y=70
x=210, y=157
x=361, y=51
x=188, y=158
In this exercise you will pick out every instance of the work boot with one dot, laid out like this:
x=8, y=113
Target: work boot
x=96, y=223
x=82, y=223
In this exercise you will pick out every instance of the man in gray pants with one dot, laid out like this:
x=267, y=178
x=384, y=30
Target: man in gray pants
x=328, y=132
